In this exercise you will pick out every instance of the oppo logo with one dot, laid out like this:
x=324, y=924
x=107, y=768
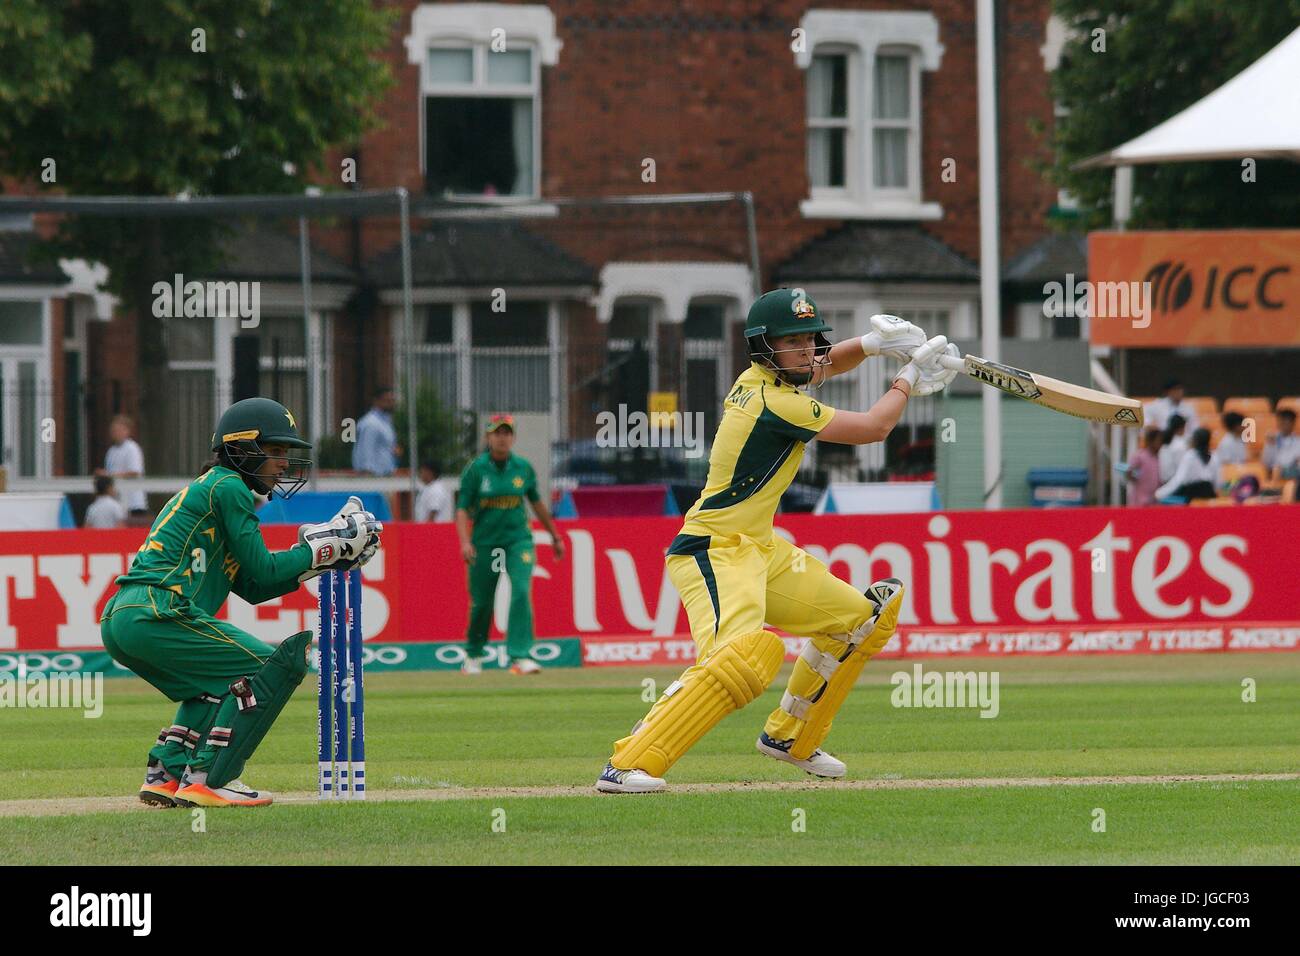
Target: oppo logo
x=383, y=655
x=41, y=662
x=542, y=652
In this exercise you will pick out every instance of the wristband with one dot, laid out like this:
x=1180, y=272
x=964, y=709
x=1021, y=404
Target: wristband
x=871, y=343
x=910, y=374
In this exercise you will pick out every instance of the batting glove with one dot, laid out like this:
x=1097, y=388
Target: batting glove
x=923, y=374
x=894, y=337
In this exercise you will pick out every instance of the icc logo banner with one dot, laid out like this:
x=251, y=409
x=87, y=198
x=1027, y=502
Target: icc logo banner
x=1224, y=287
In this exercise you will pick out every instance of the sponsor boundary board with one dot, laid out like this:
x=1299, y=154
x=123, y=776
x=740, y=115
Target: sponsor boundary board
x=1053, y=581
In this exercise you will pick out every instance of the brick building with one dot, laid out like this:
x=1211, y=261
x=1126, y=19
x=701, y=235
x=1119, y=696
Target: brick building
x=529, y=133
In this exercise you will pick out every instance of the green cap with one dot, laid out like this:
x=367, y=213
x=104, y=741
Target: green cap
x=783, y=312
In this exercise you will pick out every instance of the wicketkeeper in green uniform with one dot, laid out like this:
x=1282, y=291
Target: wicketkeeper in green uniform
x=492, y=491
x=204, y=544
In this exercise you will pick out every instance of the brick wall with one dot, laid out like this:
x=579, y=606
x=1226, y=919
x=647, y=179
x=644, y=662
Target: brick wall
x=711, y=92
x=713, y=95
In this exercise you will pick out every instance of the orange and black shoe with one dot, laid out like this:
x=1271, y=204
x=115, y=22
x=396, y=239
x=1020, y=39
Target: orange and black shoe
x=159, y=787
x=160, y=794
x=233, y=794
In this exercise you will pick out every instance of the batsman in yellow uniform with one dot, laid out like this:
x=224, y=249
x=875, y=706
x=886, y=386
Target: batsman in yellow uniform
x=734, y=574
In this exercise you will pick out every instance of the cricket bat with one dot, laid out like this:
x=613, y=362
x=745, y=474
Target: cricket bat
x=1050, y=392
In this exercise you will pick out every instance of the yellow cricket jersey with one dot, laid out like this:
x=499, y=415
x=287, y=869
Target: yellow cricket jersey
x=756, y=453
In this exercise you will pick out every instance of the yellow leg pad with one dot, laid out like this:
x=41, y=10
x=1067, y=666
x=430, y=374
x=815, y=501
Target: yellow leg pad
x=864, y=643
x=733, y=676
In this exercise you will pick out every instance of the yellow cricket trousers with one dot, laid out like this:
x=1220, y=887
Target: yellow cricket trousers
x=733, y=586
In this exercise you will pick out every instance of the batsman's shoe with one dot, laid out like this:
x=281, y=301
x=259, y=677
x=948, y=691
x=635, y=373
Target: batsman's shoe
x=614, y=780
x=233, y=794
x=525, y=665
x=159, y=787
x=471, y=666
x=819, y=763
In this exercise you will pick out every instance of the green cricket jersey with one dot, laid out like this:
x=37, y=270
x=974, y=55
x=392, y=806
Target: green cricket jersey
x=493, y=495
x=206, y=543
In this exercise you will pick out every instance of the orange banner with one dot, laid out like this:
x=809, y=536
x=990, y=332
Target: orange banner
x=1162, y=289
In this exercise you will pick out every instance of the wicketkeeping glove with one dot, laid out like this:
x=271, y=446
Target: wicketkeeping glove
x=345, y=537
x=892, y=336
x=343, y=564
x=347, y=564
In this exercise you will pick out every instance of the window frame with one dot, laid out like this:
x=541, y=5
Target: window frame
x=40, y=356
x=463, y=351
x=479, y=88
x=317, y=361
x=716, y=350
x=861, y=123
x=851, y=124
x=914, y=33
x=911, y=192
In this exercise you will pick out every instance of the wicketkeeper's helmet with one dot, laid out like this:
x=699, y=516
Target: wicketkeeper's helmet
x=245, y=428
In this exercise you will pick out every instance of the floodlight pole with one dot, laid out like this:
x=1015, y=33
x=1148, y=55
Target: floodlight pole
x=990, y=269
x=408, y=335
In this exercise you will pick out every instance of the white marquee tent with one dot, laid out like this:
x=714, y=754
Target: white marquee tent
x=1254, y=115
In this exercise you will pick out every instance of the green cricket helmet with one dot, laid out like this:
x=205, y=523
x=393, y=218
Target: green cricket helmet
x=245, y=429
x=786, y=312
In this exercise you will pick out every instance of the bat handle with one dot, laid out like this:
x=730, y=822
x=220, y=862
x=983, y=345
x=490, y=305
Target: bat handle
x=954, y=362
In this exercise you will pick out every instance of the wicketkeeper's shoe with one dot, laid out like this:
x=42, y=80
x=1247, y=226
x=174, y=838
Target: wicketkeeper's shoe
x=159, y=787
x=525, y=665
x=820, y=764
x=233, y=794
x=614, y=780
x=471, y=666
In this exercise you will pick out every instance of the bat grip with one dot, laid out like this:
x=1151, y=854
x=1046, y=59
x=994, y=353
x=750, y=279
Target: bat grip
x=954, y=362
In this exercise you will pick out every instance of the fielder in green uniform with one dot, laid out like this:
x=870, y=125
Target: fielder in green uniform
x=493, y=488
x=204, y=544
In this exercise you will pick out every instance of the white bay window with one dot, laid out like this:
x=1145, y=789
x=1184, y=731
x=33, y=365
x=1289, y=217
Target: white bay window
x=864, y=112
x=481, y=125
x=480, y=104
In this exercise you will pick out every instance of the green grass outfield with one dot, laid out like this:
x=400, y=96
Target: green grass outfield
x=456, y=747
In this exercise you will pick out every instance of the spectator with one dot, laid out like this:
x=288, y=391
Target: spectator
x=1172, y=446
x=124, y=459
x=1144, y=470
x=1197, y=471
x=1232, y=450
x=105, y=511
x=1282, y=451
x=434, y=501
x=376, y=449
x=1159, y=411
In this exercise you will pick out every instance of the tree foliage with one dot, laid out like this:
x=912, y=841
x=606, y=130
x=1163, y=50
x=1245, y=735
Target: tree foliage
x=446, y=437
x=120, y=96
x=1160, y=57
x=171, y=97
